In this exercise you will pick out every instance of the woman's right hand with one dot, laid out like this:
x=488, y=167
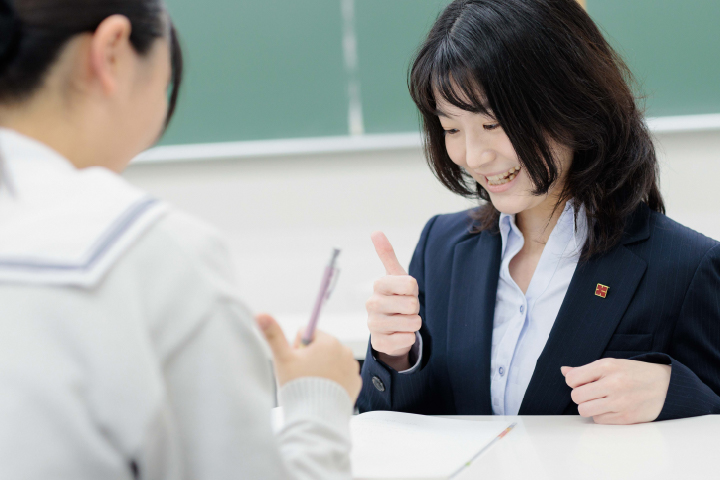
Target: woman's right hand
x=393, y=309
x=325, y=357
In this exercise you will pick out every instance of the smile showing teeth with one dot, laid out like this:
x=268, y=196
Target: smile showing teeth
x=502, y=178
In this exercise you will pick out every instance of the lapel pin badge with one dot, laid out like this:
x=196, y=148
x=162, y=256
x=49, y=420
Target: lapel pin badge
x=601, y=290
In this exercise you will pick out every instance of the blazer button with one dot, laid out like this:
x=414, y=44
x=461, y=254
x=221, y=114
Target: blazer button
x=378, y=384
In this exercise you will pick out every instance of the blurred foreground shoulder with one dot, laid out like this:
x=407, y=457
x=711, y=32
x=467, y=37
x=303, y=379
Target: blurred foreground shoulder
x=197, y=240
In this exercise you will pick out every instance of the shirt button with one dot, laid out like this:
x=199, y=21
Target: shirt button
x=501, y=371
x=522, y=308
x=379, y=385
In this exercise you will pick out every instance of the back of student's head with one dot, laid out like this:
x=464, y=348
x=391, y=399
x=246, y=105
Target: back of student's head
x=543, y=70
x=34, y=32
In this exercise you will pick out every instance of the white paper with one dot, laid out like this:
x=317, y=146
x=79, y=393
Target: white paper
x=402, y=445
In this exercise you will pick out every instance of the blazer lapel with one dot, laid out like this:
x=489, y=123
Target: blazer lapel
x=583, y=326
x=473, y=288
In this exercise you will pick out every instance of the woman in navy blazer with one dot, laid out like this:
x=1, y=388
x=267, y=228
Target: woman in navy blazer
x=526, y=106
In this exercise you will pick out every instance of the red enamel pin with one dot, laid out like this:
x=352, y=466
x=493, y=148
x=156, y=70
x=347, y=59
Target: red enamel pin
x=601, y=290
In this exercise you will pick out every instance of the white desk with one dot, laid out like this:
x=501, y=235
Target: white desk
x=574, y=448
x=568, y=447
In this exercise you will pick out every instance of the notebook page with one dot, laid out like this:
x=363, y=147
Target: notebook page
x=401, y=445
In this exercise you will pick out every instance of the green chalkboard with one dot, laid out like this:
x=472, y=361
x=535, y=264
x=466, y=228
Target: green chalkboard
x=269, y=69
x=672, y=47
x=389, y=32
x=259, y=69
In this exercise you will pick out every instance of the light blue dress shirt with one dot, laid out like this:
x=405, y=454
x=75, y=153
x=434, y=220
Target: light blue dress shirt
x=522, y=322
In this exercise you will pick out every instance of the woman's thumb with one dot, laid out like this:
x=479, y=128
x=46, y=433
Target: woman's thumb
x=274, y=335
x=387, y=254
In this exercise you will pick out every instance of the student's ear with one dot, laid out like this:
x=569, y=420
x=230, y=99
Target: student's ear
x=109, y=50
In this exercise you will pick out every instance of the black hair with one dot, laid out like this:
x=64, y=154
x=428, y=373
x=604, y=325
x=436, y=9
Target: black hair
x=543, y=71
x=33, y=33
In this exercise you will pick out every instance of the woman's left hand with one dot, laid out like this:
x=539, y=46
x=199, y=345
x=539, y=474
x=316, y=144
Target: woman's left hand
x=619, y=392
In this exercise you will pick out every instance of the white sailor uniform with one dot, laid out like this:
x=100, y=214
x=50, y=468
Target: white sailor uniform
x=124, y=350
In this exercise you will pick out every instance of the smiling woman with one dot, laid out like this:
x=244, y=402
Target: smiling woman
x=569, y=261
x=536, y=102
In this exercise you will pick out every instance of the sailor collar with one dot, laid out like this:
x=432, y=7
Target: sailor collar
x=60, y=225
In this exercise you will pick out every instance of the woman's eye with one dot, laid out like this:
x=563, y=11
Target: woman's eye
x=451, y=131
x=491, y=126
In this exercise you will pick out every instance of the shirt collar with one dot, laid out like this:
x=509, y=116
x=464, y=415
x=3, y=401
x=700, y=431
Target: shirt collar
x=508, y=226
x=26, y=155
x=24, y=148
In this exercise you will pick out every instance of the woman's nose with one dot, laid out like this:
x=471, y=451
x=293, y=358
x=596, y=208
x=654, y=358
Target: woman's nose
x=477, y=156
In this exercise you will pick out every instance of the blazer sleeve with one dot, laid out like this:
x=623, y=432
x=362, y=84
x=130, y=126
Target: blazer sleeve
x=383, y=387
x=694, y=353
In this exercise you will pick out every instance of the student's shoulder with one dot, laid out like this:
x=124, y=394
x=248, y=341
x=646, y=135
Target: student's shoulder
x=182, y=237
x=183, y=271
x=173, y=236
x=187, y=231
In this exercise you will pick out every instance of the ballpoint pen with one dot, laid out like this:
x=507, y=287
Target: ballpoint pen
x=326, y=286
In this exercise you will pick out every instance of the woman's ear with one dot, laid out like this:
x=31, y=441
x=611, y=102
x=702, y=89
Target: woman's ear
x=109, y=49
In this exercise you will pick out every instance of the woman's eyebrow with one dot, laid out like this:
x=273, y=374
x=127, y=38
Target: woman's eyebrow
x=442, y=113
x=482, y=109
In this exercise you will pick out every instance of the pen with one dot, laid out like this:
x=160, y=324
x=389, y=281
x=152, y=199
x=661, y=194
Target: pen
x=330, y=273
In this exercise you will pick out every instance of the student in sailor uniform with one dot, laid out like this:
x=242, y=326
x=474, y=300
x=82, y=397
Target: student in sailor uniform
x=124, y=349
x=568, y=291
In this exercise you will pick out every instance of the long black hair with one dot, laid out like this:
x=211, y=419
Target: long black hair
x=33, y=32
x=543, y=71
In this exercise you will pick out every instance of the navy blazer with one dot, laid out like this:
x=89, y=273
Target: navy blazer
x=663, y=306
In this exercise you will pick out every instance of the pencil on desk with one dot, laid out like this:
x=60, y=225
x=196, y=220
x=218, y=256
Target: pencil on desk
x=500, y=435
x=504, y=432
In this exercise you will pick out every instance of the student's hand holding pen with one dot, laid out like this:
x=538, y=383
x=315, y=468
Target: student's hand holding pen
x=393, y=309
x=324, y=357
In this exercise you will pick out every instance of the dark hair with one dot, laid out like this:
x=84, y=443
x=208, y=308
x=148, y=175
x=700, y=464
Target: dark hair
x=33, y=33
x=543, y=71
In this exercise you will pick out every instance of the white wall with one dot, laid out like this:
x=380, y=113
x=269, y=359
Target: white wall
x=690, y=168
x=282, y=215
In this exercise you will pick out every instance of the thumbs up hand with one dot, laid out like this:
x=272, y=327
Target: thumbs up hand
x=393, y=309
